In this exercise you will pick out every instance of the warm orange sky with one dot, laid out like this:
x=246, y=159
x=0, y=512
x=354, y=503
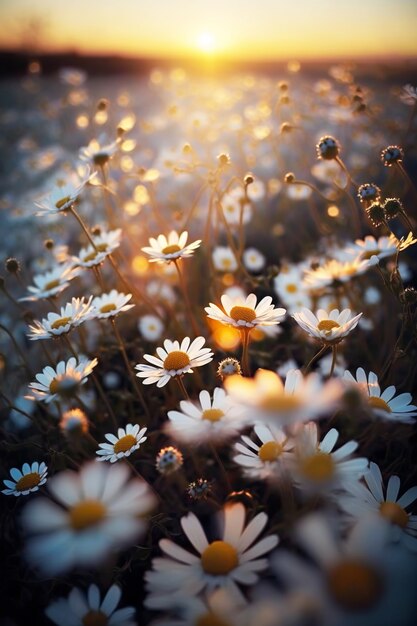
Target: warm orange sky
x=245, y=29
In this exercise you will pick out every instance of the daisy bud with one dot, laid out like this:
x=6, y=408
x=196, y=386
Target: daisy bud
x=376, y=213
x=249, y=179
x=199, y=489
x=229, y=367
x=285, y=128
x=223, y=159
x=12, y=265
x=169, y=460
x=392, y=207
x=284, y=100
x=49, y=244
x=282, y=85
x=289, y=178
x=392, y=155
x=368, y=193
x=120, y=131
x=327, y=148
x=96, y=231
x=187, y=148
x=102, y=104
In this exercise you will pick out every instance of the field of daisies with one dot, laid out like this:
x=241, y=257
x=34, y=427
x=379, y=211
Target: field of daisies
x=208, y=348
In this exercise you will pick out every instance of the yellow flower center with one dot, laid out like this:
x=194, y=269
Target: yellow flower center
x=28, y=481
x=354, y=585
x=327, y=325
x=369, y=253
x=318, y=467
x=377, y=403
x=210, y=619
x=291, y=288
x=51, y=285
x=106, y=308
x=171, y=249
x=95, y=618
x=124, y=444
x=86, y=513
x=244, y=313
x=219, y=558
x=280, y=402
x=213, y=415
x=61, y=321
x=270, y=451
x=226, y=263
x=100, y=247
x=176, y=360
x=394, y=513
x=63, y=384
x=62, y=202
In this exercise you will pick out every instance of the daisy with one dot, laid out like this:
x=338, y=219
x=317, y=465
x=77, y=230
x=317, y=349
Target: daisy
x=328, y=327
x=301, y=398
x=264, y=461
x=409, y=95
x=64, y=381
x=359, y=581
x=88, y=608
x=175, y=359
x=63, y=196
x=127, y=441
x=97, y=511
x=150, y=327
x=296, y=191
x=171, y=248
x=74, y=421
x=26, y=480
x=380, y=248
x=110, y=304
x=334, y=270
x=104, y=245
x=253, y=260
x=214, y=419
x=318, y=467
x=385, y=405
x=224, y=563
x=215, y=609
x=70, y=316
x=50, y=283
x=370, y=499
x=290, y=289
x=98, y=152
x=224, y=259
x=246, y=313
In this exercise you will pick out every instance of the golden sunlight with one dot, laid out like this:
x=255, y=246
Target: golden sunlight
x=206, y=42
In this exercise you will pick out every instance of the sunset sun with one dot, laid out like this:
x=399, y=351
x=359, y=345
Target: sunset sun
x=206, y=43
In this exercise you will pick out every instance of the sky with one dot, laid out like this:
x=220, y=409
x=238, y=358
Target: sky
x=237, y=29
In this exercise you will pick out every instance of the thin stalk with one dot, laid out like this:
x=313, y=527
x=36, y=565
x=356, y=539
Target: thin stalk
x=245, y=351
x=83, y=226
x=187, y=299
x=334, y=356
x=315, y=357
x=182, y=387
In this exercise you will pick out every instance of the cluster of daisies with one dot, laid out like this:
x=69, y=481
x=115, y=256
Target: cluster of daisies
x=292, y=521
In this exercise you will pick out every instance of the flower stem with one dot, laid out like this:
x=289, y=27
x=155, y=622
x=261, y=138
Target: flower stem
x=83, y=226
x=315, y=357
x=334, y=356
x=245, y=351
x=187, y=300
x=182, y=387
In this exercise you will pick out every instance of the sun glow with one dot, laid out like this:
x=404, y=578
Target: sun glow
x=206, y=42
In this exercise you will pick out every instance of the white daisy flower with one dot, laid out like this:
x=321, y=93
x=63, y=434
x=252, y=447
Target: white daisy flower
x=246, y=313
x=216, y=609
x=97, y=511
x=98, y=151
x=63, y=196
x=233, y=206
x=74, y=421
x=370, y=499
x=70, y=316
x=26, y=480
x=150, y=327
x=301, y=398
x=385, y=405
x=224, y=259
x=110, y=304
x=409, y=95
x=62, y=382
x=214, y=419
x=50, y=283
x=88, y=609
x=104, y=245
x=127, y=441
x=295, y=191
x=224, y=563
x=253, y=260
x=367, y=248
x=175, y=359
x=290, y=289
x=265, y=461
x=329, y=327
x=171, y=248
x=318, y=467
x=334, y=270
x=360, y=581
